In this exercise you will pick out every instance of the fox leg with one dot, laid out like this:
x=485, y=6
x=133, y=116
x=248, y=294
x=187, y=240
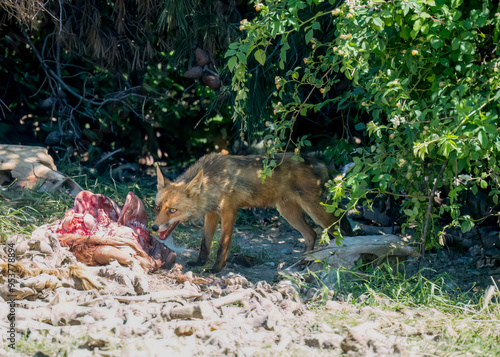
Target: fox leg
x=209, y=228
x=319, y=214
x=292, y=212
x=228, y=218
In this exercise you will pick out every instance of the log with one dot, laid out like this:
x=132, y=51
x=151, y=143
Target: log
x=32, y=166
x=353, y=248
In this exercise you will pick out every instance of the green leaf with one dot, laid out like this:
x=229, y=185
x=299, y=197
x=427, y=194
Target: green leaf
x=260, y=56
x=497, y=96
x=309, y=35
x=360, y=126
x=242, y=57
x=445, y=33
x=483, y=184
x=436, y=42
x=467, y=35
x=377, y=21
x=408, y=212
x=381, y=44
x=405, y=33
x=232, y=63
x=466, y=226
x=417, y=25
x=483, y=138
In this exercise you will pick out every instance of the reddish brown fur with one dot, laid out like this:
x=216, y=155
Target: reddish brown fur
x=217, y=185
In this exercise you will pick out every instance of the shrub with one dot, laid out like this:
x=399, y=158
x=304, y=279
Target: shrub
x=424, y=73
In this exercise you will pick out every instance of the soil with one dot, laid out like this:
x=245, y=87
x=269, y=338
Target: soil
x=262, y=247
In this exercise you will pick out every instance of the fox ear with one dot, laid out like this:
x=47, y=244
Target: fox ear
x=162, y=181
x=195, y=185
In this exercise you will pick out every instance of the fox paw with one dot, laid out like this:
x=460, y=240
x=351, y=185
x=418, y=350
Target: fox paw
x=214, y=270
x=194, y=263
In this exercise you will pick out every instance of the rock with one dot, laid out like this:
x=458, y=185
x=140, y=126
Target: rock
x=313, y=293
x=373, y=214
x=42, y=281
x=286, y=250
x=184, y=330
x=475, y=251
x=272, y=320
x=324, y=340
x=17, y=292
x=333, y=305
x=40, y=246
x=21, y=248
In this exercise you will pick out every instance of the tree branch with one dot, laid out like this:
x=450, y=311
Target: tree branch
x=118, y=96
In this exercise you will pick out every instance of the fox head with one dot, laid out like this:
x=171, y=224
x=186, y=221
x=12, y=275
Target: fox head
x=176, y=202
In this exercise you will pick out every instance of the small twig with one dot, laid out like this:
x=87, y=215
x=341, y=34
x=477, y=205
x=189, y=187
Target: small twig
x=429, y=208
x=107, y=156
x=37, y=54
x=396, y=194
x=2, y=104
x=60, y=17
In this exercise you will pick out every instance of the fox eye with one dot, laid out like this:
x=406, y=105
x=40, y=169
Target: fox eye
x=157, y=209
x=172, y=210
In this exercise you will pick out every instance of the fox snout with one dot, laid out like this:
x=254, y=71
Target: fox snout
x=164, y=230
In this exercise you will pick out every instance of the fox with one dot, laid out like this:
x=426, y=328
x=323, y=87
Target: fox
x=217, y=185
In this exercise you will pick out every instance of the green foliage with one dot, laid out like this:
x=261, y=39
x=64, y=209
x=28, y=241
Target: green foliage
x=424, y=72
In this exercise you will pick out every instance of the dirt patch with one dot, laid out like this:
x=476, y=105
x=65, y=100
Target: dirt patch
x=258, y=252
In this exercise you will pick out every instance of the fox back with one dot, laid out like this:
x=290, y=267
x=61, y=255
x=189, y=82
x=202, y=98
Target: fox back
x=216, y=177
